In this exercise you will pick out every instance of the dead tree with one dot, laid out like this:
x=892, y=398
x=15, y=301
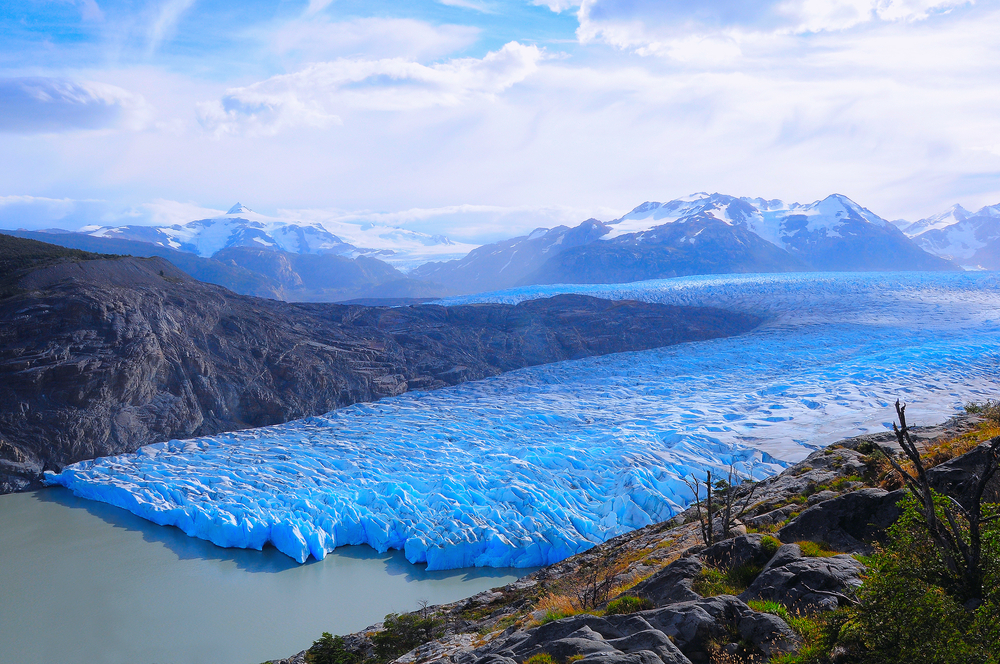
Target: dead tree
x=960, y=548
x=729, y=514
x=732, y=507
x=597, y=582
x=705, y=521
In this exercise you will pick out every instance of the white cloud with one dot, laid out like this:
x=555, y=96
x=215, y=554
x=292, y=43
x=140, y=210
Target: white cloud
x=38, y=212
x=314, y=96
x=318, y=38
x=164, y=24
x=481, y=7
x=471, y=223
x=316, y=6
x=654, y=27
x=557, y=6
x=40, y=104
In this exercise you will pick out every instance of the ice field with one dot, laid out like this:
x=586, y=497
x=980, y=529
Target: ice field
x=538, y=464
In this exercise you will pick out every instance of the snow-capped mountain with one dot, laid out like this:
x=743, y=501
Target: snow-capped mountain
x=971, y=239
x=831, y=234
x=240, y=227
x=953, y=215
x=698, y=234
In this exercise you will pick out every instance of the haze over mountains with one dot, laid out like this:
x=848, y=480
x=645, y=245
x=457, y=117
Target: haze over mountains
x=699, y=234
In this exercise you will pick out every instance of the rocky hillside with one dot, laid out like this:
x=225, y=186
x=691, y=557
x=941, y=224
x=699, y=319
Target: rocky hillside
x=100, y=355
x=658, y=595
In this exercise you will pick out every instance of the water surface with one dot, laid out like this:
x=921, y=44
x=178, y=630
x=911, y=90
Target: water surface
x=81, y=581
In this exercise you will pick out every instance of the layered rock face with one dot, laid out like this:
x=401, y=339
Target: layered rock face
x=100, y=357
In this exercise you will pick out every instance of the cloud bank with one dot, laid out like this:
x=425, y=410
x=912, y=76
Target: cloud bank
x=41, y=104
x=314, y=96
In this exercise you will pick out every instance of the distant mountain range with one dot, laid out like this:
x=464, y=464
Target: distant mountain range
x=971, y=239
x=700, y=234
x=703, y=233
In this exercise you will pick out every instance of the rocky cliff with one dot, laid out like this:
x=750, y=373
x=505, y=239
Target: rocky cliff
x=105, y=355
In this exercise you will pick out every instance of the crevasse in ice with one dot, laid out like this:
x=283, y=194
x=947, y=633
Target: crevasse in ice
x=530, y=467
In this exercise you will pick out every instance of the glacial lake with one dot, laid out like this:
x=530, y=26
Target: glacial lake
x=82, y=582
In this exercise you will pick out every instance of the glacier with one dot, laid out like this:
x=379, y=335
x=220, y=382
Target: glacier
x=533, y=466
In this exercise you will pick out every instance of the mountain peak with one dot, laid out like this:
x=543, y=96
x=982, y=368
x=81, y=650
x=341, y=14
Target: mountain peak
x=238, y=208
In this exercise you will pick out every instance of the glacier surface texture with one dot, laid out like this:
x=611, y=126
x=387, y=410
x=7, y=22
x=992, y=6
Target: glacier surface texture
x=538, y=464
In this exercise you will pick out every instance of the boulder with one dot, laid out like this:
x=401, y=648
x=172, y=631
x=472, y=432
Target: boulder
x=737, y=552
x=807, y=584
x=650, y=640
x=847, y=523
x=959, y=477
x=693, y=626
x=785, y=554
x=617, y=640
x=672, y=583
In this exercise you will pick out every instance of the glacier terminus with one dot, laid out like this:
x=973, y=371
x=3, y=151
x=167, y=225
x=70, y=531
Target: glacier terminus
x=538, y=464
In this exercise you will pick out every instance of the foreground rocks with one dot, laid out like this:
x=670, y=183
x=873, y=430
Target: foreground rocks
x=100, y=357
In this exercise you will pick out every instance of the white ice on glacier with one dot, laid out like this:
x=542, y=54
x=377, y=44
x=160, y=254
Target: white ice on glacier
x=535, y=465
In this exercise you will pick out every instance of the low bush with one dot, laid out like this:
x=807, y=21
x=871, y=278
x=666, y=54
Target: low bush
x=540, y=658
x=816, y=549
x=770, y=545
x=329, y=649
x=403, y=633
x=627, y=604
x=712, y=581
x=989, y=409
x=911, y=609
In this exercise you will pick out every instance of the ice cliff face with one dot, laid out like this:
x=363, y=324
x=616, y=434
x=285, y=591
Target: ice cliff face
x=534, y=465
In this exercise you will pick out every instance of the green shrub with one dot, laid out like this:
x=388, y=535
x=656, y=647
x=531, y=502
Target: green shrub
x=329, y=649
x=989, y=409
x=552, y=615
x=540, y=658
x=627, y=604
x=911, y=610
x=712, y=581
x=816, y=549
x=403, y=633
x=770, y=545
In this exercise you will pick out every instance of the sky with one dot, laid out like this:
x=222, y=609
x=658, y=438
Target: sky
x=483, y=119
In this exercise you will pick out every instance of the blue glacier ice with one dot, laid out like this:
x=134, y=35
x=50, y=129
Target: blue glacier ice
x=538, y=464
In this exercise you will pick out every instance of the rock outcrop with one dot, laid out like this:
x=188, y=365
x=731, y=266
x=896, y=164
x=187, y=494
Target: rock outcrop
x=102, y=356
x=680, y=633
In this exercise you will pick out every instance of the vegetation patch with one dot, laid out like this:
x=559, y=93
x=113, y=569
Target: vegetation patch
x=540, y=658
x=329, y=649
x=816, y=549
x=712, y=581
x=403, y=633
x=770, y=545
x=627, y=604
x=20, y=255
